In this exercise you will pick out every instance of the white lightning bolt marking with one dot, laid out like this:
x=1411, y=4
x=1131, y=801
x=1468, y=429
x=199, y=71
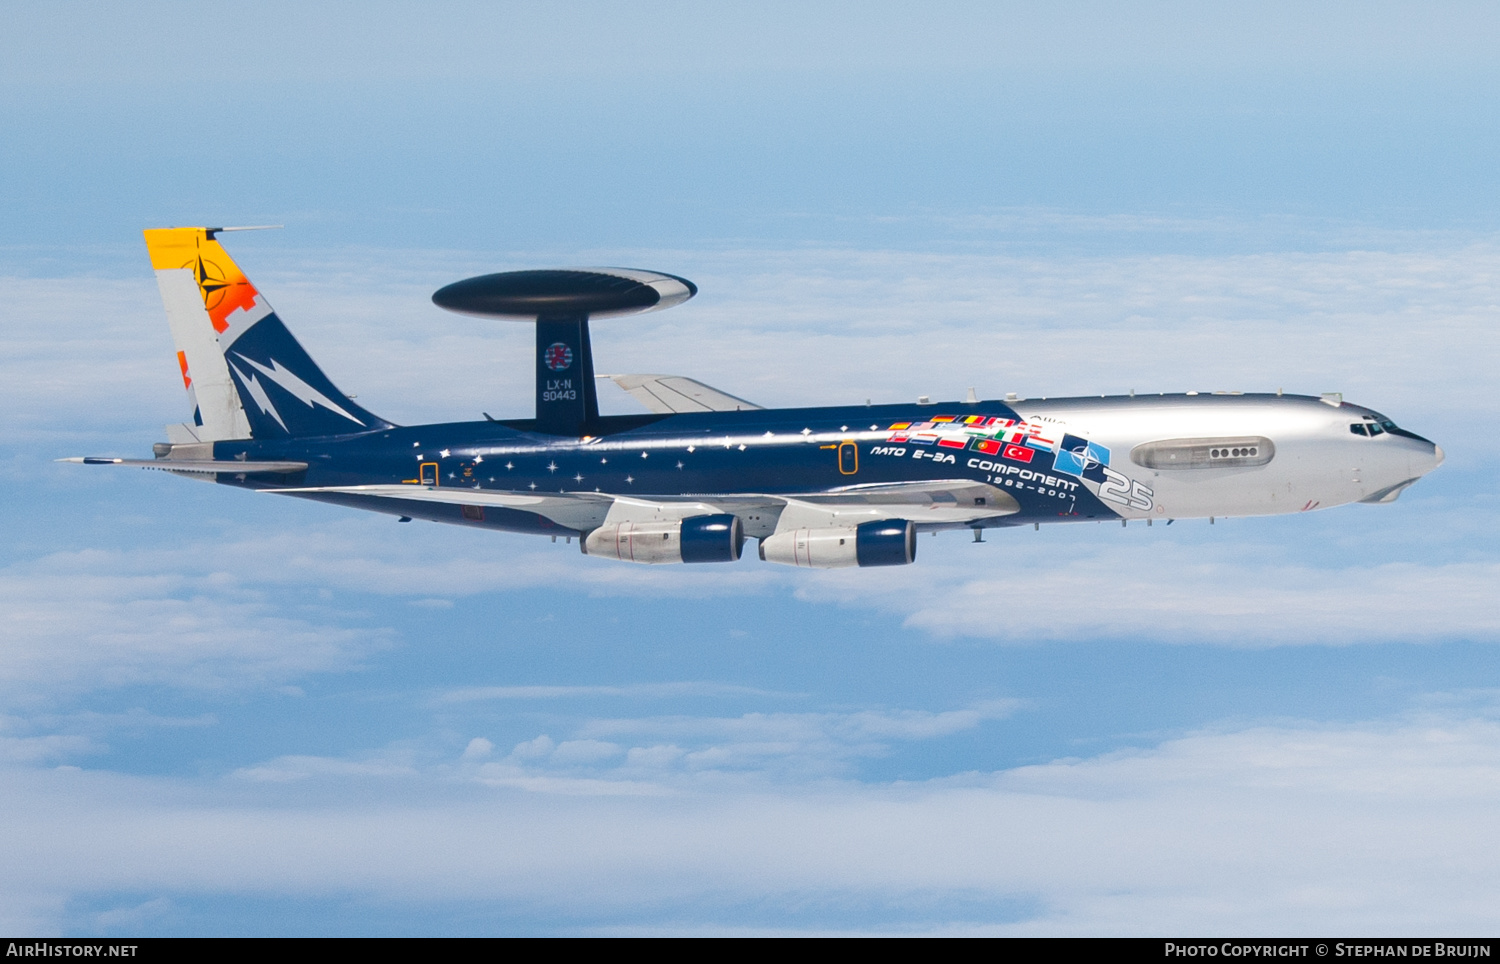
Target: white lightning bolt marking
x=261, y=398
x=304, y=392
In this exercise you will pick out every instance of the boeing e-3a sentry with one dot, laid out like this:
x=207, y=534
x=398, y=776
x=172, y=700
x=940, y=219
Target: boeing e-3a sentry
x=689, y=482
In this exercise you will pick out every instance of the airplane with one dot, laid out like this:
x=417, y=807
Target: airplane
x=834, y=487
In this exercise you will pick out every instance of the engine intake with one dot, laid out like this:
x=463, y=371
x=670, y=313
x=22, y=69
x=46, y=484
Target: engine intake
x=889, y=542
x=699, y=538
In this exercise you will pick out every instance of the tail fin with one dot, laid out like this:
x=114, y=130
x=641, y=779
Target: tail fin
x=245, y=374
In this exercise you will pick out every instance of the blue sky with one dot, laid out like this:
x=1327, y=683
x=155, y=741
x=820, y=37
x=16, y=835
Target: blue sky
x=231, y=713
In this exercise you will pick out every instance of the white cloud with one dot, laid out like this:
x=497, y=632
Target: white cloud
x=1241, y=594
x=45, y=749
x=806, y=741
x=675, y=752
x=1380, y=828
x=215, y=612
x=133, y=919
x=648, y=691
x=478, y=749
x=1240, y=588
x=671, y=753
x=90, y=619
x=1404, y=330
x=353, y=554
x=286, y=769
x=584, y=752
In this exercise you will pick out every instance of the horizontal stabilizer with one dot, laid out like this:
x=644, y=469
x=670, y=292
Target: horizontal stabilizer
x=676, y=394
x=197, y=466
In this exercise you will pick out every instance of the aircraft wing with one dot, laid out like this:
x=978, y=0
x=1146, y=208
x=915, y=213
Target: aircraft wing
x=675, y=394
x=571, y=510
x=934, y=504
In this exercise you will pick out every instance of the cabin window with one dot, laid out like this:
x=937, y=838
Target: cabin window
x=1358, y=428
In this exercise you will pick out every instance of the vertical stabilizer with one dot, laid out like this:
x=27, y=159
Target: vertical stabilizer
x=177, y=257
x=246, y=376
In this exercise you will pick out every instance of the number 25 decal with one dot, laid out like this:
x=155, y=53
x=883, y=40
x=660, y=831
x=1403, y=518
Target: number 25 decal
x=1117, y=488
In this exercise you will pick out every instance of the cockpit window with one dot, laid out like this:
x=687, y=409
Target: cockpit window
x=1377, y=424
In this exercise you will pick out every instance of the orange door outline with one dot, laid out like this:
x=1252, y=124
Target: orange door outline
x=848, y=458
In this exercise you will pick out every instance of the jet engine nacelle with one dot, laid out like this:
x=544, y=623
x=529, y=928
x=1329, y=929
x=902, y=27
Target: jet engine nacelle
x=699, y=538
x=889, y=542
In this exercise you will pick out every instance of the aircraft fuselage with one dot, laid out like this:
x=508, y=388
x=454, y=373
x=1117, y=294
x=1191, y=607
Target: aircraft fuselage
x=1061, y=460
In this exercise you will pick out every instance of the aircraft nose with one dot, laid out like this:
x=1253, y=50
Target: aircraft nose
x=1427, y=458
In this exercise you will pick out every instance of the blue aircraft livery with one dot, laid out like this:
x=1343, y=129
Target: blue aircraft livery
x=706, y=470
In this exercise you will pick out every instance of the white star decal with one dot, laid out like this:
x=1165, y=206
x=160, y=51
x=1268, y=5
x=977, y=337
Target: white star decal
x=578, y=477
x=444, y=453
x=630, y=479
x=551, y=466
x=510, y=465
x=533, y=485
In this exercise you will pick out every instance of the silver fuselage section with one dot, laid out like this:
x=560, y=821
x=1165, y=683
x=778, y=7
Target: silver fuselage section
x=1316, y=460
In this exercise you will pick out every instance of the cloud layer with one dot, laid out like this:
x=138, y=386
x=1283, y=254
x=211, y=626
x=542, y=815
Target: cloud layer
x=1399, y=330
x=607, y=782
x=1381, y=829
